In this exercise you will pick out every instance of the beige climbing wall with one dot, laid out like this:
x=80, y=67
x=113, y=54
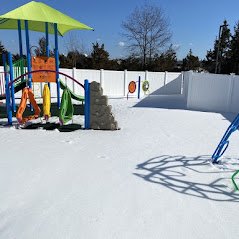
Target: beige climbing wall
x=101, y=116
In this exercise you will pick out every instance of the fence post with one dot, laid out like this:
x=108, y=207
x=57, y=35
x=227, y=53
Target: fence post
x=146, y=75
x=189, y=87
x=229, y=99
x=41, y=89
x=1, y=84
x=74, y=76
x=165, y=78
x=102, y=78
x=87, y=104
x=182, y=82
x=125, y=83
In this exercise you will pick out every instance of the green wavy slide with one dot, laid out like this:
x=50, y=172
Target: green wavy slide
x=73, y=95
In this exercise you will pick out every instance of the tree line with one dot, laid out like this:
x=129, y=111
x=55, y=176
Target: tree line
x=147, y=34
x=99, y=58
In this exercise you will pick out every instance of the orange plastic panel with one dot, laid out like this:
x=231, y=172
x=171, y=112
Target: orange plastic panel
x=27, y=93
x=22, y=105
x=43, y=63
x=132, y=87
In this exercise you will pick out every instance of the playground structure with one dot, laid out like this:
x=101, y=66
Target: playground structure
x=27, y=93
x=21, y=75
x=136, y=85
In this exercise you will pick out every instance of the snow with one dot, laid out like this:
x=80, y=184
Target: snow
x=151, y=179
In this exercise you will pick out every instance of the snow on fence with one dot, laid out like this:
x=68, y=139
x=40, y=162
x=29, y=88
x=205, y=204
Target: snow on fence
x=212, y=92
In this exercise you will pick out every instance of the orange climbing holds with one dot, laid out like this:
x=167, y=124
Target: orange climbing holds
x=27, y=94
x=46, y=63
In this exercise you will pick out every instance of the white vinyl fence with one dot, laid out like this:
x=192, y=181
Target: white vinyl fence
x=213, y=92
x=202, y=91
x=2, y=83
x=115, y=83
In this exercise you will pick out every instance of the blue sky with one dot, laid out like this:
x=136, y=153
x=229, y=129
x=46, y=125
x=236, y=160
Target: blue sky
x=194, y=24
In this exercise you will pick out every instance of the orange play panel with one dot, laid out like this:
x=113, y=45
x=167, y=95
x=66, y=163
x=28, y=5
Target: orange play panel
x=27, y=94
x=132, y=87
x=43, y=63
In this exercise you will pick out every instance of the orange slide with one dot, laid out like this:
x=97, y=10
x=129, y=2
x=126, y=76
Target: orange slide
x=27, y=93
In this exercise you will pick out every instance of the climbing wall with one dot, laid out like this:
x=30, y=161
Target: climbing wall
x=101, y=116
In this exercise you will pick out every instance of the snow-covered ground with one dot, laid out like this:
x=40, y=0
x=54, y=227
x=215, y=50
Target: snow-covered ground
x=152, y=179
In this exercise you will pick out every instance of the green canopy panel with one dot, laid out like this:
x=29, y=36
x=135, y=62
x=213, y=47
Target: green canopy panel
x=38, y=14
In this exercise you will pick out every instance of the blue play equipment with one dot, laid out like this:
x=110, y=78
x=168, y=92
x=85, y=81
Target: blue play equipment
x=224, y=143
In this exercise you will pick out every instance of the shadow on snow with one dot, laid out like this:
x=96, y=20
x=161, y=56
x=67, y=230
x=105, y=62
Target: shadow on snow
x=184, y=175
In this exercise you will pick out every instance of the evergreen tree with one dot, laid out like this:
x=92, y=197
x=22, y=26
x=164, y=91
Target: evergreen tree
x=73, y=57
x=99, y=57
x=223, y=46
x=209, y=63
x=82, y=61
x=166, y=61
x=2, y=50
x=131, y=63
x=64, y=62
x=191, y=62
x=217, y=60
x=234, y=50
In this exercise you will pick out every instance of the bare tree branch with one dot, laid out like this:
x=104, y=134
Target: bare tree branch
x=146, y=31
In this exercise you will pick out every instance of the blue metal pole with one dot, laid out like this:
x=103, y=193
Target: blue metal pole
x=57, y=65
x=47, y=40
x=87, y=104
x=139, y=83
x=20, y=37
x=8, y=100
x=11, y=79
x=20, y=44
x=29, y=68
x=47, y=46
x=57, y=80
